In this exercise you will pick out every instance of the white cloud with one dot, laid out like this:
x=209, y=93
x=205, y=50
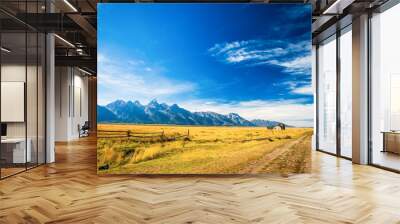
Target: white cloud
x=292, y=112
x=221, y=48
x=298, y=65
x=102, y=58
x=297, y=87
x=294, y=58
x=118, y=81
x=304, y=90
x=135, y=62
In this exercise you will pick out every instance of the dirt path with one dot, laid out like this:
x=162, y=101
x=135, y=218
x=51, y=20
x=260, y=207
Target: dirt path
x=258, y=165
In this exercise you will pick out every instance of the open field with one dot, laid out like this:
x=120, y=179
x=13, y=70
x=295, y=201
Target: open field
x=165, y=149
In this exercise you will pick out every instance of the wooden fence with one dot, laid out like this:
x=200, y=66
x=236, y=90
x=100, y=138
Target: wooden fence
x=139, y=135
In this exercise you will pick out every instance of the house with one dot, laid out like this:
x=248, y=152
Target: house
x=279, y=127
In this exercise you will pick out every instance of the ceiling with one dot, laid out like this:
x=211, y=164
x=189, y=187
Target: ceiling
x=75, y=22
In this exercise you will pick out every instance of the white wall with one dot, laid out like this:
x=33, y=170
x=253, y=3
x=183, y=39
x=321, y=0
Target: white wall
x=33, y=126
x=62, y=82
x=12, y=73
x=80, y=105
x=17, y=73
x=71, y=102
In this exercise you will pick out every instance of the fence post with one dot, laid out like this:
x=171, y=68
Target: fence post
x=162, y=136
x=188, y=133
x=128, y=133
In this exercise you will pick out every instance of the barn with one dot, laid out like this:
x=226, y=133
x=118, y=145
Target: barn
x=279, y=127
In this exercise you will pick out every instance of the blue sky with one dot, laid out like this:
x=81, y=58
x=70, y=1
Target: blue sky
x=252, y=59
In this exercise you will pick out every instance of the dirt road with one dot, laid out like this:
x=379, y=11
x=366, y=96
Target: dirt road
x=259, y=165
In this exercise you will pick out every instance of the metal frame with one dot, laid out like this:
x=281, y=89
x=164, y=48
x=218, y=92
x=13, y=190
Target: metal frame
x=369, y=106
x=338, y=109
x=26, y=88
x=316, y=97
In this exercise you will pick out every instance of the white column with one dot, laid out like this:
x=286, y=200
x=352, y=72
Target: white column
x=50, y=99
x=360, y=90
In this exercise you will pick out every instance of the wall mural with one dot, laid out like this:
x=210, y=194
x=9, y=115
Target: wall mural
x=204, y=88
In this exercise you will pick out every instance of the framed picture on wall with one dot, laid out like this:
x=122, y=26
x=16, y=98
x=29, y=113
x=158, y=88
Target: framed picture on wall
x=204, y=88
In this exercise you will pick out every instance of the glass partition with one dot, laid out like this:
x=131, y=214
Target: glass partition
x=346, y=92
x=13, y=94
x=22, y=77
x=31, y=99
x=327, y=95
x=385, y=89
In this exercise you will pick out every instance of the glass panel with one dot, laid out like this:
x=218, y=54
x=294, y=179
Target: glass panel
x=385, y=84
x=327, y=96
x=32, y=88
x=13, y=86
x=23, y=90
x=346, y=93
x=31, y=100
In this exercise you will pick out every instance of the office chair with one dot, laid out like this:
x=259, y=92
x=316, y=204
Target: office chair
x=84, y=130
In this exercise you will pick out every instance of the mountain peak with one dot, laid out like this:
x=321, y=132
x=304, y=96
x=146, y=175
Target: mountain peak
x=156, y=113
x=117, y=102
x=153, y=102
x=175, y=105
x=233, y=115
x=134, y=103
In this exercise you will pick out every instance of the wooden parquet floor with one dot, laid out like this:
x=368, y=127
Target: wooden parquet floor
x=69, y=191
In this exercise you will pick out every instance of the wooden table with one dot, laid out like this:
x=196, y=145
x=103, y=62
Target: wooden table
x=391, y=141
x=13, y=150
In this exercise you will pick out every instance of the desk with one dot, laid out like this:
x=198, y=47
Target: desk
x=391, y=141
x=13, y=150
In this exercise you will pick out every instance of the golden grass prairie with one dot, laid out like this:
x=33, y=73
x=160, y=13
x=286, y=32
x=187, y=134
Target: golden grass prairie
x=169, y=149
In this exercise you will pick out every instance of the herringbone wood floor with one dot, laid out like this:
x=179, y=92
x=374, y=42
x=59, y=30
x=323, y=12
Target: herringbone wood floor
x=69, y=191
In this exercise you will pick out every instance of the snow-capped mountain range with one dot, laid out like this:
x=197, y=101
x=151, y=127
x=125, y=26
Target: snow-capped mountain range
x=121, y=111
